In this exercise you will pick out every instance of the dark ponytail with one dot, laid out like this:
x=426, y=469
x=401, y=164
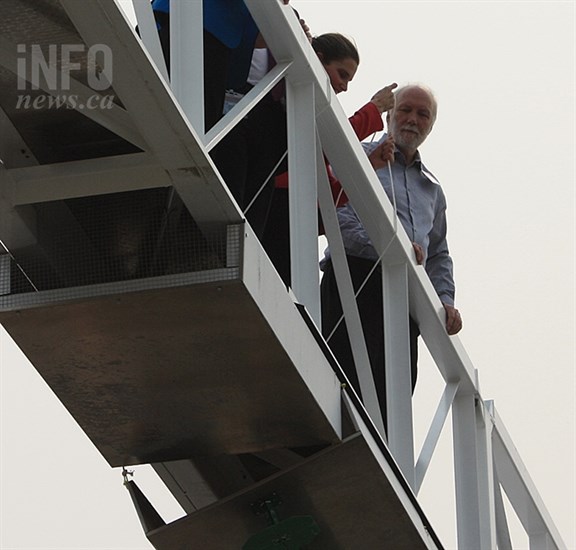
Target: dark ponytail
x=334, y=47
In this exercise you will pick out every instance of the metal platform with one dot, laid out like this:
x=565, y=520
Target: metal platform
x=202, y=354
x=162, y=338
x=138, y=292
x=177, y=367
x=343, y=488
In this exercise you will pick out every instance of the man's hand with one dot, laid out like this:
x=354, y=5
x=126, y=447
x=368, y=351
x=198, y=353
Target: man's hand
x=383, y=154
x=384, y=98
x=419, y=251
x=453, y=320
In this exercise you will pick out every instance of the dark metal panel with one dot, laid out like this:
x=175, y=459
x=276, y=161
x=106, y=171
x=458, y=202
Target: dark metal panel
x=53, y=134
x=166, y=374
x=343, y=488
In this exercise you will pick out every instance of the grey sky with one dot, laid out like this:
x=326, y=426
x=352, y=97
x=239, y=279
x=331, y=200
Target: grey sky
x=503, y=148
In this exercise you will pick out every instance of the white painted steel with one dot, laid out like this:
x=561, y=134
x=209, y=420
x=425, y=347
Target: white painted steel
x=159, y=118
x=186, y=484
x=187, y=60
x=287, y=41
x=262, y=281
x=347, y=297
x=113, y=117
x=55, y=296
x=520, y=489
x=448, y=353
x=502, y=530
x=241, y=109
x=374, y=209
x=302, y=193
x=149, y=34
x=397, y=366
x=66, y=180
x=14, y=152
x=466, y=472
x=359, y=182
x=485, y=469
x=152, y=120
x=17, y=226
x=541, y=541
x=433, y=435
x=390, y=474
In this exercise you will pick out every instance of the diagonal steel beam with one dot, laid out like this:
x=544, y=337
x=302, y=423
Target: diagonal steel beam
x=78, y=97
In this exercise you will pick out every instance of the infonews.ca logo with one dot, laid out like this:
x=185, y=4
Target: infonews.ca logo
x=65, y=76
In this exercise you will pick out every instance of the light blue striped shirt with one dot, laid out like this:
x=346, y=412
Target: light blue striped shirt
x=421, y=208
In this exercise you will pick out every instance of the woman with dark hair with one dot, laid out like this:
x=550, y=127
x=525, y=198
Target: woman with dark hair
x=334, y=46
x=340, y=59
x=250, y=156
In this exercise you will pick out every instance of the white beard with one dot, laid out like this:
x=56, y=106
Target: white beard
x=409, y=139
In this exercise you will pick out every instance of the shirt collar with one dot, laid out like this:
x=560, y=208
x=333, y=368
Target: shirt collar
x=417, y=159
x=428, y=174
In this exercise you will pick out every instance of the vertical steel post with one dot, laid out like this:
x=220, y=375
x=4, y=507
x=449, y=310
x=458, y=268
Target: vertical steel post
x=303, y=196
x=397, y=361
x=434, y=433
x=187, y=59
x=486, y=498
x=541, y=541
x=149, y=34
x=502, y=530
x=347, y=298
x=471, y=513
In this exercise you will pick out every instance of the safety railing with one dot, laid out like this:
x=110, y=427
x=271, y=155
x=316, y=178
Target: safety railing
x=485, y=461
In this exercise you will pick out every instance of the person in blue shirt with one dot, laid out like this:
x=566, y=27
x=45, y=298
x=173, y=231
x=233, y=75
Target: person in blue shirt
x=228, y=28
x=421, y=209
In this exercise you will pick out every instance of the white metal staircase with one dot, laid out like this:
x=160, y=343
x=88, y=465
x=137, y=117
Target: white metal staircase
x=192, y=356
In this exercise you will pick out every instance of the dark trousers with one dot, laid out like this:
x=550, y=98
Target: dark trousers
x=247, y=156
x=370, y=307
x=276, y=238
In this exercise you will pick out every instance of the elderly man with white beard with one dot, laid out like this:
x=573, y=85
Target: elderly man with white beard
x=421, y=209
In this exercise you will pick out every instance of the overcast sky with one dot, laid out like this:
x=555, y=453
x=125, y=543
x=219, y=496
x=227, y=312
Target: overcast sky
x=503, y=148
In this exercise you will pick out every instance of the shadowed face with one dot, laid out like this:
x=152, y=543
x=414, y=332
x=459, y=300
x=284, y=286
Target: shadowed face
x=412, y=118
x=341, y=72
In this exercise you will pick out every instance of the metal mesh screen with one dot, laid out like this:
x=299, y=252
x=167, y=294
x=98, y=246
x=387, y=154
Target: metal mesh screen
x=118, y=237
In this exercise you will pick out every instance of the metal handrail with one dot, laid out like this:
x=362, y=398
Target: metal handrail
x=485, y=458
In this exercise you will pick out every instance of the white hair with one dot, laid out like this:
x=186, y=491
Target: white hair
x=422, y=87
